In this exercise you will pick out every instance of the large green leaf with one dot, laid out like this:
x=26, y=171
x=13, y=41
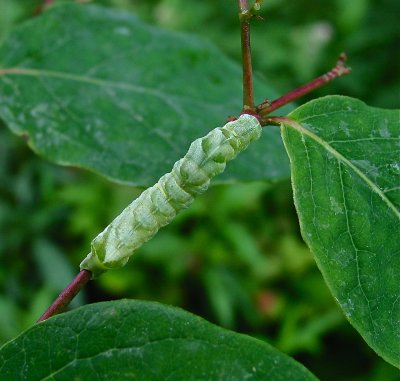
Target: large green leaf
x=345, y=162
x=97, y=88
x=129, y=340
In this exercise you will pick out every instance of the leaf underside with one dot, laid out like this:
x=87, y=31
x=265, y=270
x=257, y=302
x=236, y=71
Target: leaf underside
x=345, y=163
x=99, y=89
x=131, y=340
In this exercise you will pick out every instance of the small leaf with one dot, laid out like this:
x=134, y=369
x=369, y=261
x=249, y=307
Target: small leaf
x=130, y=340
x=97, y=88
x=345, y=171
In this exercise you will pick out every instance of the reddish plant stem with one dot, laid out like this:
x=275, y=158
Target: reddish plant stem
x=274, y=121
x=248, y=92
x=67, y=295
x=243, y=6
x=339, y=70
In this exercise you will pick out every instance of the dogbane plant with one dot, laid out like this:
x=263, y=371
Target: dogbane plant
x=344, y=158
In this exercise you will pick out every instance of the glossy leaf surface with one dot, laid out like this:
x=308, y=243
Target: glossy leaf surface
x=98, y=88
x=345, y=162
x=129, y=340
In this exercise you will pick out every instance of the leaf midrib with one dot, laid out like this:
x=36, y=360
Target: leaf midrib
x=95, y=82
x=297, y=126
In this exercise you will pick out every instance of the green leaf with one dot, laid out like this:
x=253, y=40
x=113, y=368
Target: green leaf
x=345, y=171
x=131, y=340
x=98, y=88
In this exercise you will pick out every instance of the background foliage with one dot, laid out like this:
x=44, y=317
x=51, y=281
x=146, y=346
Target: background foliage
x=236, y=257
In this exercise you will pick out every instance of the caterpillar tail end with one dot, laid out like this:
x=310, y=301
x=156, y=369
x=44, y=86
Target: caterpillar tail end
x=94, y=265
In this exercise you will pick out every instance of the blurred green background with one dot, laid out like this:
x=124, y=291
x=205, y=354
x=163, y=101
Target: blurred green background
x=236, y=257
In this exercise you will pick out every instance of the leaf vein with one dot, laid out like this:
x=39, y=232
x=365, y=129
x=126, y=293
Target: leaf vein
x=295, y=125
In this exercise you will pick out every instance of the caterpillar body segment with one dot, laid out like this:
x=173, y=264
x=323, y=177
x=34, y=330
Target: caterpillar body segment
x=174, y=191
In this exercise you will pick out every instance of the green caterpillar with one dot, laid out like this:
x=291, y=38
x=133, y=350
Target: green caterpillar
x=176, y=190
